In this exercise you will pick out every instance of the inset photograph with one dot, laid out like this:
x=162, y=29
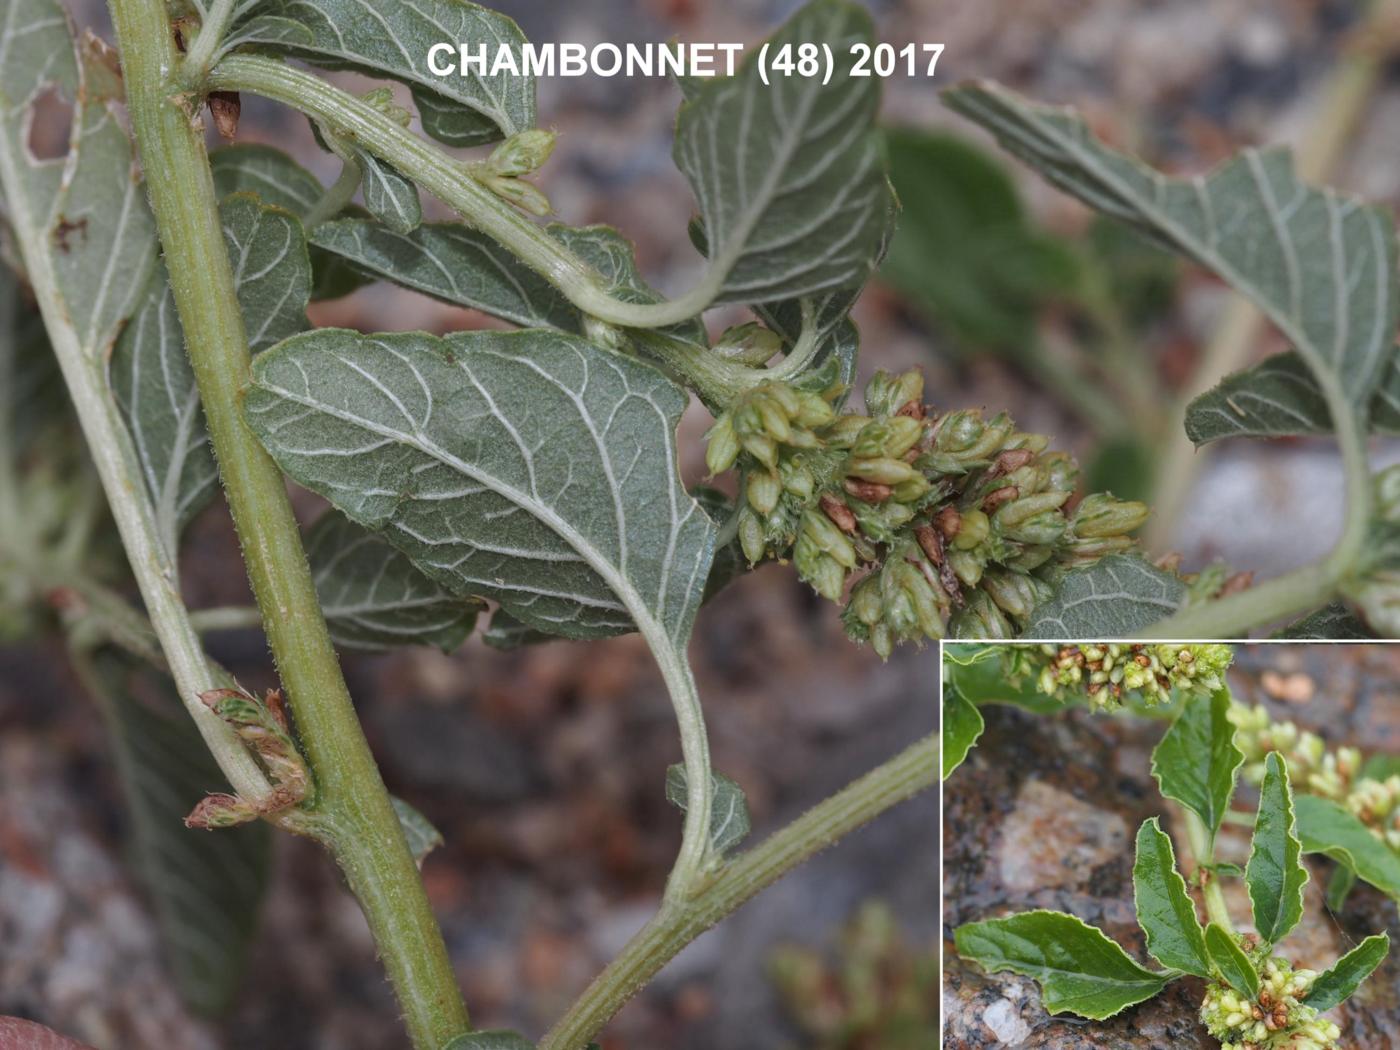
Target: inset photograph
x=1184, y=845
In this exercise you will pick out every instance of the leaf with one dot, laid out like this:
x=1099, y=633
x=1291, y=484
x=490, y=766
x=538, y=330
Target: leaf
x=453, y=263
x=1334, y=621
x=1234, y=966
x=1328, y=828
x=81, y=220
x=206, y=888
x=1279, y=397
x=496, y=1039
x=1196, y=761
x=390, y=198
x=1116, y=597
x=962, y=725
x=419, y=832
x=269, y=31
x=393, y=39
x=531, y=467
x=1339, y=887
x=1335, y=985
x=987, y=680
x=1275, y=873
x=1078, y=968
x=729, y=808
x=281, y=181
x=1320, y=266
x=1165, y=910
x=374, y=597
x=150, y=373
x=988, y=291
x=788, y=174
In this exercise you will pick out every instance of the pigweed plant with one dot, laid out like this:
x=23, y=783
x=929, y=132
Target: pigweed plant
x=1310, y=800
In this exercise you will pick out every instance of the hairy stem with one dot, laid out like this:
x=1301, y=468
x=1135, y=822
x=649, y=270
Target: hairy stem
x=1237, y=330
x=336, y=197
x=677, y=925
x=443, y=176
x=1203, y=850
x=352, y=806
x=211, y=33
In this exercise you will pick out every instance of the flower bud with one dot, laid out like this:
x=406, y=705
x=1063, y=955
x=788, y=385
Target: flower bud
x=382, y=99
x=967, y=566
x=722, y=446
x=522, y=194
x=825, y=575
x=973, y=528
x=1015, y=594
x=1026, y=507
x=762, y=448
x=522, y=153
x=1101, y=515
x=751, y=536
x=958, y=431
x=797, y=479
x=885, y=471
x=980, y=618
x=1040, y=529
x=823, y=533
x=762, y=488
x=844, y=430
x=886, y=394
x=813, y=410
x=774, y=418
x=1387, y=488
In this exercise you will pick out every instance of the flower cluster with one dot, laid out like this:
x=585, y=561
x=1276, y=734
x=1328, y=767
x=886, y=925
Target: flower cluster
x=954, y=524
x=1331, y=773
x=1104, y=674
x=1277, y=1019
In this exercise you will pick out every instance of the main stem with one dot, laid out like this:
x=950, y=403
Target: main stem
x=1203, y=849
x=679, y=923
x=352, y=806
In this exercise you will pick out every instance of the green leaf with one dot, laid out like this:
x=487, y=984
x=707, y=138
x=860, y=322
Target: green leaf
x=453, y=263
x=496, y=1039
x=1275, y=873
x=729, y=808
x=984, y=678
x=150, y=372
x=1116, y=597
x=1335, y=985
x=390, y=198
x=1279, y=397
x=788, y=174
x=1334, y=621
x=1165, y=910
x=962, y=725
x=989, y=291
x=375, y=598
x=1328, y=828
x=1078, y=968
x=1232, y=963
x=206, y=888
x=269, y=31
x=1321, y=267
x=1196, y=761
x=82, y=219
x=392, y=40
x=1339, y=887
x=422, y=837
x=529, y=467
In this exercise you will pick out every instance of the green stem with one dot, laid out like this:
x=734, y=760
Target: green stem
x=678, y=924
x=225, y=618
x=1305, y=588
x=352, y=806
x=334, y=200
x=201, y=53
x=1203, y=850
x=444, y=177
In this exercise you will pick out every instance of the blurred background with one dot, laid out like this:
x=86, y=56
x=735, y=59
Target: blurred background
x=543, y=767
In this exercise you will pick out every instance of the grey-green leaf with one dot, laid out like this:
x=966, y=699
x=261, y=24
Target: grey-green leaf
x=962, y=725
x=453, y=263
x=1279, y=397
x=729, y=807
x=1320, y=266
x=788, y=174
x=1328, y=828
x=1116, y=597
x=86, y=213
x=418, y=831
x=1232, y=963
x=1078, y=968
x=1165, y=910
x=531, y=467
x=375, y=598
x=150, y=373
x=205, y=887
x=390, y=198
x=1336, y=984
x=1333, y=621
x=1196, y=761
x=392, y=40
x=1275, y=873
